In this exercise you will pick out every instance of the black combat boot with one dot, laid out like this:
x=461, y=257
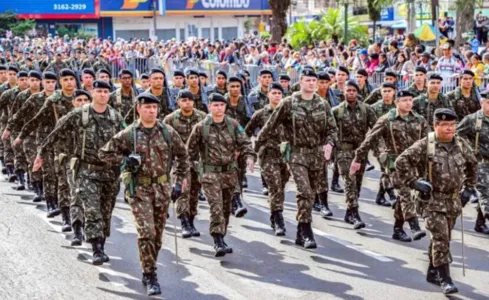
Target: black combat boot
x=348, y=216
x=153, y=287
x=415, y=229
x=335, y=186
x=317, y=205
x=244, y=183
x=78, y=236
x=98, y=258
x=305, y=237
x=11, y=174
x=432, y=273
x=392, y=195
x=219, y=245
x=357, y=221
x=264, y=186
x=446, y=282
x=38, y=191
x=325, y=211
x=193, y=230
x=380, y=199
x=20, y=181
x=186, y=229
x=278, y=223
x=480, y=223
x=52, y=207
x=238, y=209
x=29, y=184
x=202, y=196
x=227, y=249
x=105, y=257
x=2, y=162
x=399, y=233
x=65, y=215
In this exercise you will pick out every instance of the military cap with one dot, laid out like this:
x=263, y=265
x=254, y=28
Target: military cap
x=388, y=85
x=3, y=68
x=484, y=95
x=284, y=77
x=82, y=93
x=390, y=73
x=203, y=74
x=266, y=72
x=223, y=73
x=156, y=70
x=468, y=72
x=144, y=76
x=308, y=67
x=324, y=76
x=344, y=69
x=190, y=72
x=13, y=68
x=235, y=79
x=49, y=75
x=185, y=94
x=420, y=69
x=276, y=86
x=214, y=97
x=405, y=93
x=332, y=71
x=66, y=72
x=445, y=114
x=178, y=73
x=362, y=72
x=22, y=74
x=89, y=71
x=435, y=76
x=353, y=84
x=126, y=72
x=101, y=84
x=147, y=98
x=35, y=74
x=247, y=73
x=104, y=71
x=309, y=73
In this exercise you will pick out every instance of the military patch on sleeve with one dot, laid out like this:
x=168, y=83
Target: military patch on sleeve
x=240, y=129
x=331, y=112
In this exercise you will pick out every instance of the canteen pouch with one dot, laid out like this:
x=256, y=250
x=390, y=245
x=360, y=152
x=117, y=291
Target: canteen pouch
x=285, y=150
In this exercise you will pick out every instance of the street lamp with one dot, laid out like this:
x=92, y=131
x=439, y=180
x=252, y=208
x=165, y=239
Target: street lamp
x=346, y=3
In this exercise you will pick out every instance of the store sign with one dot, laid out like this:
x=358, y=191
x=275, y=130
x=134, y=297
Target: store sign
x=53, y=9
x=387, y=14
x=191, y=7
x=115, y=8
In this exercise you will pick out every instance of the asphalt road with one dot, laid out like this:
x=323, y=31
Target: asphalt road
x=37, y=261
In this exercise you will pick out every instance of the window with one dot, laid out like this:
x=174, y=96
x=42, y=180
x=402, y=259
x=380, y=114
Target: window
x=182, y=34
x=229, y=33
x=206, y=33
x=166, y=34
x=216, y=33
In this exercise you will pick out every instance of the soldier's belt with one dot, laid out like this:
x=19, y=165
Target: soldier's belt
x=346, y=146
x=219, y=169
x=151, y=180
x=314, y=150
x=91, y=167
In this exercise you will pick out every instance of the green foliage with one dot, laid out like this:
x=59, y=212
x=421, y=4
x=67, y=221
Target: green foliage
x=329, y=26
x=8, y=21
x=374, y=10
x=265, y=35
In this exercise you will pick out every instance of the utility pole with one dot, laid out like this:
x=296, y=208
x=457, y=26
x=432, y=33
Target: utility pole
x=155, y=36
x=345, y=37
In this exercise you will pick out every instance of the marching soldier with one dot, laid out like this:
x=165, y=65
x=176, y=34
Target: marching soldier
x=178, y=81
x=183, y=120
x=219, y=164
x=203, y=79
x=123, y=98
x=148, y=149
x=284, y=81
x=104, y=74
x=450, y=166
x=101, y=64
x=159, y=89
x=311, y=133
x=398, y=130
x=258, y=96
x=220, y=86
x=418, y=87
x=144, y=82
x=376, y=95
x=58, y=64
x=88, y=77
x=465, y=99
x=193, y=82
x=89, y=62
x=8, y=79
x=341, y=77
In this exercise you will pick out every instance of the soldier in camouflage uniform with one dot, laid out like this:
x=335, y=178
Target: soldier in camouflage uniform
x=89, y=62
x=28, y=66
x=53, y=108
x=144, y=82
x=311, y=133
x=96, y=182
x=158, y=147
x=197, y=90
x=178, y=81
x=418, y=87
x=8, y=81
x=354, y=118
x=376, y=95
x=183, y=120
x=475, y=129
x=272, y=163
x=427, y=103
x=220, y=86
x=465, y=99
x=397, y=130
x=159, y=89
x=58, y=64
x=361, y=77
x=284, y=81
x=104, y=74
x=203, y=78
x=258, y=96
x=449, y=166
x=124, y=97
x=100, y=64
x=87, y=77
x=44, y=61
x=216, y=140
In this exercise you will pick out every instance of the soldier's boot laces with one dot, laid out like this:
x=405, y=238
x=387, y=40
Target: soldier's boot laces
x=317, y=205
x=78, y=235
x=219, y=245
x=357, y=221
x=325, y=211
x=380, y=198
x=193, y=230
x=244, y=183
x=432, y=273
x=240, y=209
x=227, y=249
x=305, y=237
x=186, y=230
x=399, y=233
x=278, y=221
x=446, y=283
x=202, y=196
x=417, y=233
x=105, y=257
x=97, y=253
x=335, y=186
x=348, y=216
x=65, y=215
x=38, y=191
x=264, y=186
x=20, y=181
x=480, y=223
x=152, y=285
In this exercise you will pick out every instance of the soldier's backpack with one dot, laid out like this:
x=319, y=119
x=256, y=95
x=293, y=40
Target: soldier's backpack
x=206, y=129
x=295, y=106
x=422, y=101
x=341, y=113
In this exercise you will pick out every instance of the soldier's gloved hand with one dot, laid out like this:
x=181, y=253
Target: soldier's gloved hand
x=465, y=195
x=176, y=192
x=133, y=160
x=424, y=188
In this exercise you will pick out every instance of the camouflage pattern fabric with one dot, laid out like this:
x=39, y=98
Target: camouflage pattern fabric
x=57, y=66
x=462, y=105
x=126, y=106
x=262, y=98
x=374, y=96
x=413, y=89
x=425, y=107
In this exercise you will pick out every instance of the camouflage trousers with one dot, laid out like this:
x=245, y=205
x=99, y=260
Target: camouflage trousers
x=2, y=128
x=219, y=189
x=20, y=161
x=276, y=175
x=30, y=150
x=241, y=174
x=149, y=207
x=353, y=183
x=440, y=226
x=8, y=152
x=97, y=190
x=189, y=200
x=49, y=179
x=76, y=206
x=63, y=187
x=406, y=205
x=483, y=186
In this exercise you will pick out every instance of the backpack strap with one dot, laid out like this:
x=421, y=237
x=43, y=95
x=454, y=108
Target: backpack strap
x=229, y=124
x=341, y=113
x=169, y=142
x=206, y=129
x=118, y=98
x=176, y=119
x=430, y=154
x=478, y=126
x=85, y=116
x=391, y=119
x=294, y=109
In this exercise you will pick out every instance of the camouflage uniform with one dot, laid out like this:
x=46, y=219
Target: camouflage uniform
x=272, y=162
x=374, y=96
x=87, y=64
x=337, y=92
x=215, y=89
x=258, y=98
x=366, y=91
x=151, y=198
x=413, y=89
x=3, y=119
x=123, y=104
x=100, y=65
x=6, y=101
x=425, y=107
x=464, y=106
x=454, y=165
x=199, y=101
x=188, y=202
x=217, y=153
x=96, y=182
x=57, y=66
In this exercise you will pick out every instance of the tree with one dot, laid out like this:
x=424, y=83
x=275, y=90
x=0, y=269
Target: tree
x=374, y=9
x=19, y=27
x=279, y=14
x=464, y=20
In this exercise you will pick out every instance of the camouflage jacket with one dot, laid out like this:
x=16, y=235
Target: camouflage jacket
x=57, y=66
x=405, y=132
x=413, y=89
x=464, y=106
x=16, y=121
x=7, y=100
x=365, y=92
x=182, y=124
x=296, y=87
x=28, y=110
x=338, y=93
x=87, y=64
x=123, y=105
x=467, y=129
x=374, y=96
x=153, y=148
x=257, y=98
x=215, y=89
x=238, y=112
x=380, y=108
x=354, y=124
x=423, y=106
x=453, y=166
x=165, y=105
x=4, y=112
x=99, y=65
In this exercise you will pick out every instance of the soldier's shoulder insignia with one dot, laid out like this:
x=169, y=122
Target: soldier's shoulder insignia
x=331, y=112
x=240, y=129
